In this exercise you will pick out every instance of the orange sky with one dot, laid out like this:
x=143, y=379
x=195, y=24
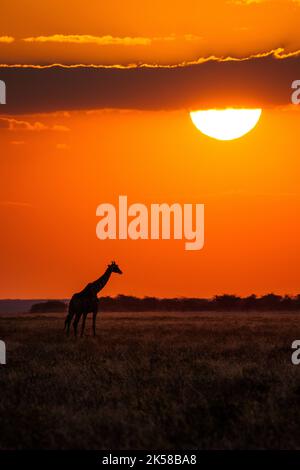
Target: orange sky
x=56, y=172
x=175, y=31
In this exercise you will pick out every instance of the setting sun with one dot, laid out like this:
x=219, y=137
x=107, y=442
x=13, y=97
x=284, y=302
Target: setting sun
x=226, y=124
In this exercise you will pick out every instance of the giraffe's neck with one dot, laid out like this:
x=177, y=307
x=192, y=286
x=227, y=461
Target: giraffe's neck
x=101, y=281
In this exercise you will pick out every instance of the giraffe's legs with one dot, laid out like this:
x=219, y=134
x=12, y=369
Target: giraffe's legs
x=75, y=323
x=68, y=322
x=83, y=324
x=94, y=321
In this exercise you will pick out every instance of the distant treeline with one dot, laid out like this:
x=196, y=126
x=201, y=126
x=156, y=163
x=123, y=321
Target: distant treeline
x=124, y=303
x=219, y=302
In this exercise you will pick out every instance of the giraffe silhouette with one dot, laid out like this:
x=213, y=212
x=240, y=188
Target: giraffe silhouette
x=86, y=301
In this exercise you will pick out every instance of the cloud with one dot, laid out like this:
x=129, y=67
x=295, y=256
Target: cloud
x=12, y=124
x=17, y=142
x=15, y=204
x=251, y=2
x=263, y=80
x=104, y=40
x=6, y=39
x=246, y=2
x=88, y=39
x=62, y=146
x=59, y=128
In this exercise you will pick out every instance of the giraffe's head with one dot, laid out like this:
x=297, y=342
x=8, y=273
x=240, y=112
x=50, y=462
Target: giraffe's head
x=115, y=268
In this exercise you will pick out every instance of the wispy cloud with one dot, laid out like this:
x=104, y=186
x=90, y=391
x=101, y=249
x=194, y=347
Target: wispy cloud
x=17, y=142
x=246, y=2
x=253, y=2
x=62, y=146
x=276, y=53
x=6, y=39
x=15, y=204
x=107, y=40
x=12, y=124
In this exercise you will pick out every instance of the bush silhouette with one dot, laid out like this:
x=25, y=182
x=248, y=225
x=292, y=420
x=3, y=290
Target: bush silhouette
x=50, y=306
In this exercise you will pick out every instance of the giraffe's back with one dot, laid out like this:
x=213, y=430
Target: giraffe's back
x=81, y=302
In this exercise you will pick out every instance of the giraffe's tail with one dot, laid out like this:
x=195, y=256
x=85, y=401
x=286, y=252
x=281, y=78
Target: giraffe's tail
x=69, y=317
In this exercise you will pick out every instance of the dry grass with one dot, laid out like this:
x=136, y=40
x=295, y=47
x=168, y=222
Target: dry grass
x=206, y=381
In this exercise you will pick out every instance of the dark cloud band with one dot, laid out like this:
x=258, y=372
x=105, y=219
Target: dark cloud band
x=261, y=81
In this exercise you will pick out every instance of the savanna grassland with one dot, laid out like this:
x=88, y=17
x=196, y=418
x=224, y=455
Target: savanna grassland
x=151, y=380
